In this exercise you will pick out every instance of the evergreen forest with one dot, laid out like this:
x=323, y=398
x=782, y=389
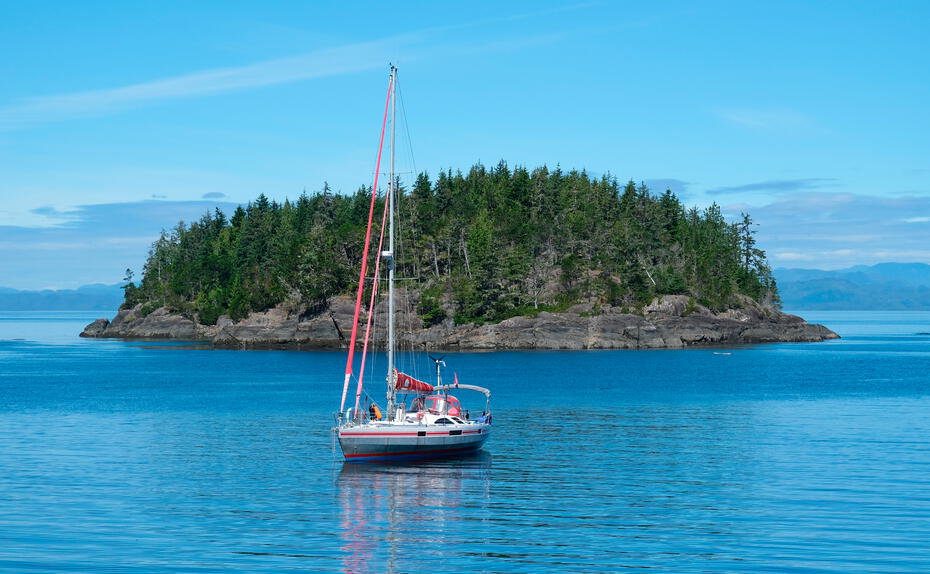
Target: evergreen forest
x=478, y=247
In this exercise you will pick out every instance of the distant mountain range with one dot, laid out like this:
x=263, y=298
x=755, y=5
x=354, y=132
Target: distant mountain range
x=885, y=286
x=87, y=298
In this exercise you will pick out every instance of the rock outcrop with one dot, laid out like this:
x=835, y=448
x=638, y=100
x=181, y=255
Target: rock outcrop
x=668, y=323
x=96, y=329
x=131, y=324
x=673, y=321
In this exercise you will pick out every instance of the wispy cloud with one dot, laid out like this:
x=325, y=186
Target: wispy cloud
x=213, y=195
x=329, y=62
x=50, y=211
x=342, y=60
x=778, y=185
x=828, y=230
x=766, y=120
x=844, y=258
x=90, y=243
x=792, y=256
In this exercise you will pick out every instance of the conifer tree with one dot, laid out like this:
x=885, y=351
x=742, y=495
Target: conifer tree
x=481, y=246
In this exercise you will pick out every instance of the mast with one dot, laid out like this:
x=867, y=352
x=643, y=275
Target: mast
x=361, y=276
x=392, y=192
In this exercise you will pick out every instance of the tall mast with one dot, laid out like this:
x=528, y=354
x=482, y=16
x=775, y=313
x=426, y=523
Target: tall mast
x=364, y=265
x=392, y=192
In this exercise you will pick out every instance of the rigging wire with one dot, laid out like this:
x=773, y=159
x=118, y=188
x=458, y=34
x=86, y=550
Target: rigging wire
x=376, y=312
x=403, y=114
x=406, y=352
x=371, y=305
x=361, y=279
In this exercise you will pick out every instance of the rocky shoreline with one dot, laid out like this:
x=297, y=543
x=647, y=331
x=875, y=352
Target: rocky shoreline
x=667, y=323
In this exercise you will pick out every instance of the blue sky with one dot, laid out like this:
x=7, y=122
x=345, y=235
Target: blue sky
x=118, y=119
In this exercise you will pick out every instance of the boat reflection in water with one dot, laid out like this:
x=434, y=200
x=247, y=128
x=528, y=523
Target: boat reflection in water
x=395, y=517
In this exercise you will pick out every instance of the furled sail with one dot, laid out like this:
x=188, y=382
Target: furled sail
x=407, y=383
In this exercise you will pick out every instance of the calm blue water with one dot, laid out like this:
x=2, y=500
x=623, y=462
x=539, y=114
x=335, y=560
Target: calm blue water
x=125, y=457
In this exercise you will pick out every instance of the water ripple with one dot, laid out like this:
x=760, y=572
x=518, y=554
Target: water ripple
x=807, y=459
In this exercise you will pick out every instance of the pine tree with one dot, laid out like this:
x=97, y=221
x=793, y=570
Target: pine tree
x=485, y=245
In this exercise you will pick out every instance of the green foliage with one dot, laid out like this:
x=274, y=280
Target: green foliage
x=238, y=301
x=482, y=247
x=210, y=305
x=131, y=293
x=430, y=308
x=670, y=282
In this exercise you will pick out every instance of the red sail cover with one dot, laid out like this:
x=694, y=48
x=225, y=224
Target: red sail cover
x=407, y=383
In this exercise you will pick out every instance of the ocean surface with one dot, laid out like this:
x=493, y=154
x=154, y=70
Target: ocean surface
x=144, y=457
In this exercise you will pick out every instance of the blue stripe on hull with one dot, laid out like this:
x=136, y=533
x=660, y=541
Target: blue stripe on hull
x=413, y=455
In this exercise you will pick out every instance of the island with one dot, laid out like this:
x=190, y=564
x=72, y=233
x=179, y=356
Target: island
x=496, y=258
x=667, y=323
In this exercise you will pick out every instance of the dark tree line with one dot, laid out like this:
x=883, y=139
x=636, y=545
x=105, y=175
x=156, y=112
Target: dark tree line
x=481, y=246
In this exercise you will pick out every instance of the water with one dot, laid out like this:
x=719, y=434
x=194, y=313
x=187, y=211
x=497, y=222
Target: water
x=130, y=457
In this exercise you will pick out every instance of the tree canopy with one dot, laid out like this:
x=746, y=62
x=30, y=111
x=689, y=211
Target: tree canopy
x=479, y=247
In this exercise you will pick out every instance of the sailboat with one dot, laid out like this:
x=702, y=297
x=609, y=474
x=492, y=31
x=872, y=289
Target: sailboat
x=420, y=419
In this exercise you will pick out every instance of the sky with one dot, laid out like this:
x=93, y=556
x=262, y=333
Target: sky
x=119, y=119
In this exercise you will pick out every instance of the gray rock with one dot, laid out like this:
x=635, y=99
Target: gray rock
x=669, y=322
x=96, y=328
x=131, y=324
x=668, y=306
x=272, y=327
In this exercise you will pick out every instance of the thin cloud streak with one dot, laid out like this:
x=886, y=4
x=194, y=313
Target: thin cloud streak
x=338, y=61
x=87, y=245
x=778, y=186
x=829, y=230
x=92, y=243
x=322, y=63
x=779, y=120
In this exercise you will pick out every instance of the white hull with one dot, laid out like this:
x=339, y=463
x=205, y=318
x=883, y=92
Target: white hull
x=384, y=441
x=432, y=425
